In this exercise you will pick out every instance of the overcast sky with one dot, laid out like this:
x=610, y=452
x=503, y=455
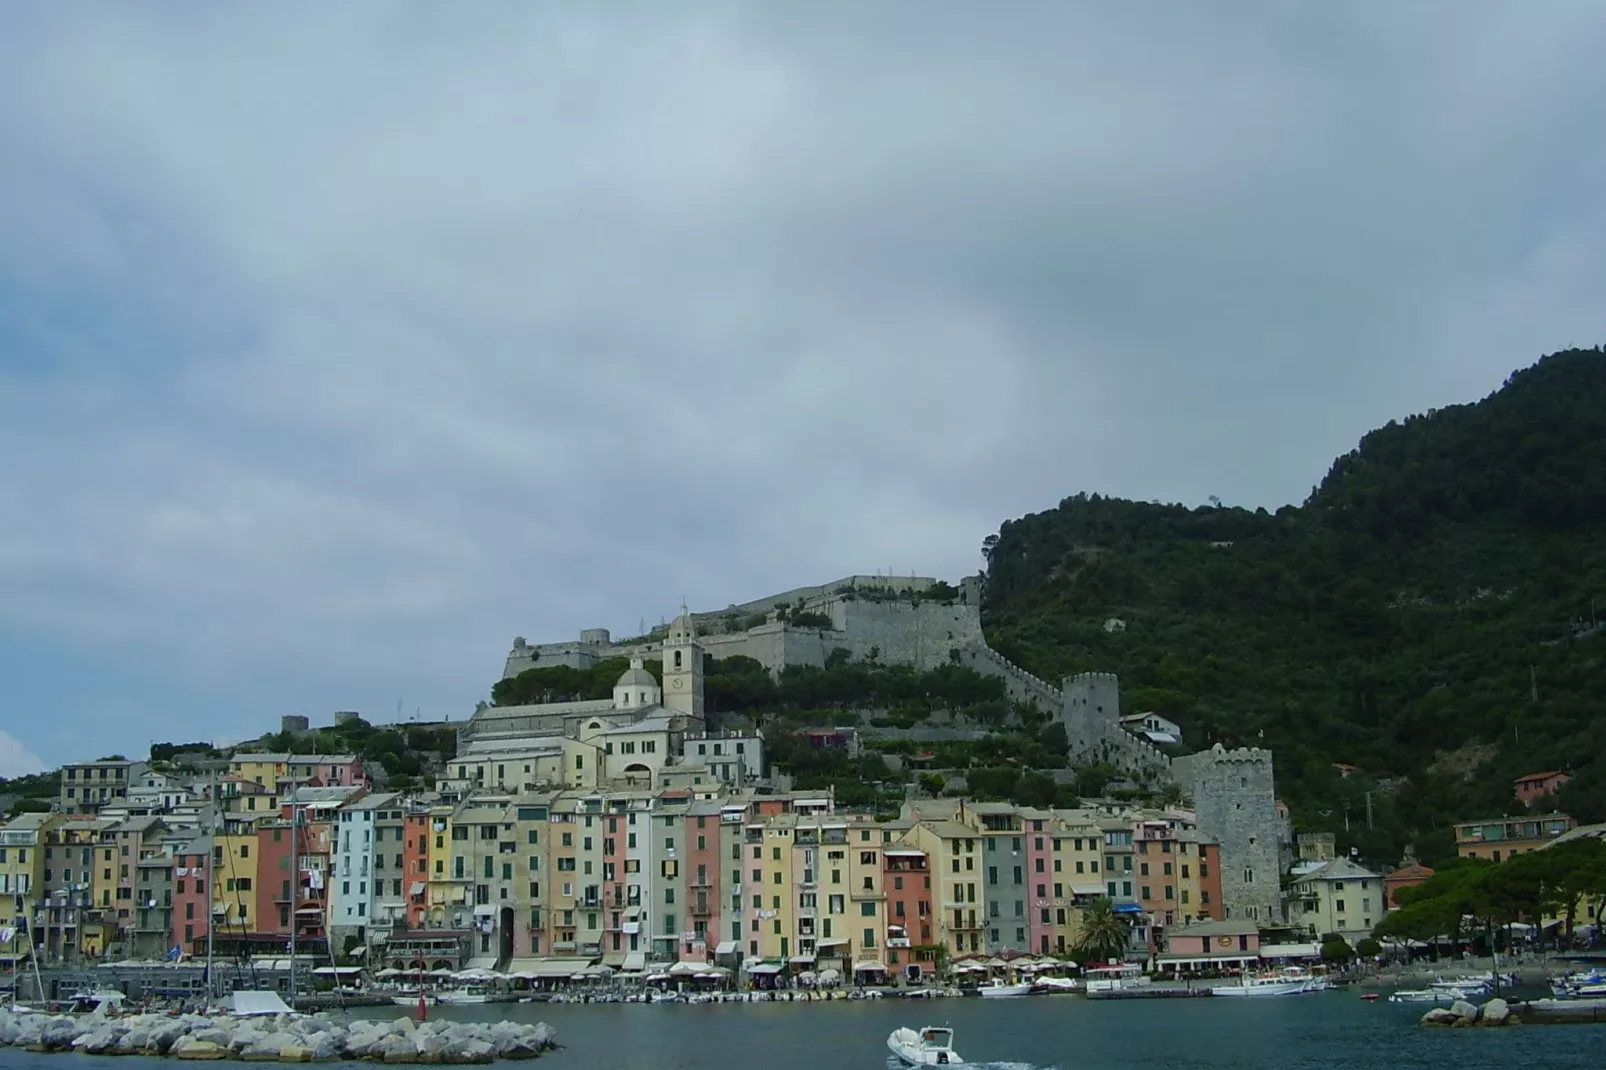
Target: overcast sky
x=338, y=346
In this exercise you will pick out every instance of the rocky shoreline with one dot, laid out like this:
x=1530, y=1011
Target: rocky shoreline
x=280, y=1038
x=1497, y=1012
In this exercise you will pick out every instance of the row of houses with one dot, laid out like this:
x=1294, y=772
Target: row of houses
x=654, y=875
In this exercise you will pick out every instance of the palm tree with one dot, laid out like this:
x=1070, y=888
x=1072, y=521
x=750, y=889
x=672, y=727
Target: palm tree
x=1104, y=935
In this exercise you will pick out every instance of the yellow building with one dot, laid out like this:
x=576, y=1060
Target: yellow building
x=952, y=849
x=234, y=877
x=22, y=868
x=1338, y=897
x=264, y=769
x=867, y=902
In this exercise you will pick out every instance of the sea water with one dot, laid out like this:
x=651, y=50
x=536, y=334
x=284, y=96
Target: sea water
x=1324, y=1031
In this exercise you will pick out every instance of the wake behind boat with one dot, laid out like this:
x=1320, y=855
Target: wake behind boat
x=932, y=1046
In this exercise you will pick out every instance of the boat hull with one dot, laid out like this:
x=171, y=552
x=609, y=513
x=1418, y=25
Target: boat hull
x=1005, y=991
x=458, y=997
x=906, y=1048
x=1278, y=988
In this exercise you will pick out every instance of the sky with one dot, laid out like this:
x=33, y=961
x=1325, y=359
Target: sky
x=340, y=345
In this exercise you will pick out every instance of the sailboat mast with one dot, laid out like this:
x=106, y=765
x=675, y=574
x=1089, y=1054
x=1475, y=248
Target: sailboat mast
x=295, y=887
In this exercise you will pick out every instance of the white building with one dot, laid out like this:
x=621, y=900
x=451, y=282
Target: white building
x=1337, y=897
x=1152, y=727
x=354, y=888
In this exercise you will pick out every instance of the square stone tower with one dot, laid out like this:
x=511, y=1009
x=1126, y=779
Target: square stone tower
x=1236, y=805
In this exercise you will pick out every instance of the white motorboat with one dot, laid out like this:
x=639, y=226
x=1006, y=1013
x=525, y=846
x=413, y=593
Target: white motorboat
x=90, y=1002
x=412, y=1000
x=467, y=994
x=1290, y=982
x=1438, y=993
x=999, y=990
x=931, y=1046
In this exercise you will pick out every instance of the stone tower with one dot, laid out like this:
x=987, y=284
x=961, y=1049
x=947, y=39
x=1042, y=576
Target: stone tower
x=1092, y=710
x=1235, y=801
x=683, y=670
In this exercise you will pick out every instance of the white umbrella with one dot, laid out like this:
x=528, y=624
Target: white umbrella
x=830, y=976
x=684, y=969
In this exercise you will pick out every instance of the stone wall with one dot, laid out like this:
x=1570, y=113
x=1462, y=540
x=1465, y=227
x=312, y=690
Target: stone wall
x=1235, y=799
x=897, y=632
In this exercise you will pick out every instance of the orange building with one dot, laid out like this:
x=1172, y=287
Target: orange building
x=1539, y=785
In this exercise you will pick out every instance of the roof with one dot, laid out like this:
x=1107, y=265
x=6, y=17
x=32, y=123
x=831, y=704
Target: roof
x=1540, y=776
x=499, y=713
x=1582, y=832
x=656, y=723
x=374, y=802
x=1339, y=869
x=1230, y=927
x=1409, y=871
x=296, y=759
x=635, y=676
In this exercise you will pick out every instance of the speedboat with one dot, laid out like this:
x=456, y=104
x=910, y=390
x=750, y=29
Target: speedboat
x=1438, y=993
x=932, y=1046
x=999, y=990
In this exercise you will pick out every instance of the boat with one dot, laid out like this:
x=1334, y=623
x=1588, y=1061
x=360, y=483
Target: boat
x=1056, y=984
x=997, y=989
x=90, y=1002
x=931, y=1046
x=1438, y=993
x=1290, y=982
x=412, y=1000
x=469, y=993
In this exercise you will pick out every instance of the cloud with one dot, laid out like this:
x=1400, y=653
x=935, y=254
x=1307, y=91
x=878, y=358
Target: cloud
x=16, y=759
x=329, y=361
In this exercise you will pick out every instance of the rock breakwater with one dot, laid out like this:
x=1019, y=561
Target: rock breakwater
x=280, y=1038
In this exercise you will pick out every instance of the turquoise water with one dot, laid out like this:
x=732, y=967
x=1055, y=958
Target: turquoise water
x=1329, y=1031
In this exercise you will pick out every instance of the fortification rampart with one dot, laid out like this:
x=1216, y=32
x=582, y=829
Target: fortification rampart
x=1021, y=685
x=895, y=631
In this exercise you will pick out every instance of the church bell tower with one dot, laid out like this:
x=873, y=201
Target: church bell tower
x=683, y=670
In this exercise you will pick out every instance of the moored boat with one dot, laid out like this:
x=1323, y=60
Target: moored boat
x=931, y=1046
x=999, y=990
x=1290, y=982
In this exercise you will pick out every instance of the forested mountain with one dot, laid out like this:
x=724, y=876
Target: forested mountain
x=1426, y=615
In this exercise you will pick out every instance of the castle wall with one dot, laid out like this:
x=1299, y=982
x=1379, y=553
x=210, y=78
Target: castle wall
x=1235, y=801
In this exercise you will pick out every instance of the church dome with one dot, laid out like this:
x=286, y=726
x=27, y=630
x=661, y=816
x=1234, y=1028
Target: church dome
x=636, y=688
x=636, y=676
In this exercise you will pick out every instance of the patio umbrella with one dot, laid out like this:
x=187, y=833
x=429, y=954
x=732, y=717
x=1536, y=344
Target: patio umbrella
x=683, y=969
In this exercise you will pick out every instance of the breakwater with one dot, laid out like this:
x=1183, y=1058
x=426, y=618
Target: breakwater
x=277, y=1038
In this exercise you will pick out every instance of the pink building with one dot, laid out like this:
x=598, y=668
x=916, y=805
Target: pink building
x=1211, y=945
x=906, y=881
x=191, y=897
x=1040, y=879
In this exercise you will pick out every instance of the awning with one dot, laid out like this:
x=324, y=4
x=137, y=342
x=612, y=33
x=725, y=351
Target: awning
x=872, y=967
x=1129, y=908
x=635, y=962
x=802, y=960
x=533, y=968
x=764, y=968
x=727, y=947
x=418, y=887
x=829, y=943
x=1291, y=951
x=1087, y=889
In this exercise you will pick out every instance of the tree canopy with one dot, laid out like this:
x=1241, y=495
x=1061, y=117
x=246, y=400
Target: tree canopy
x=1428, y=617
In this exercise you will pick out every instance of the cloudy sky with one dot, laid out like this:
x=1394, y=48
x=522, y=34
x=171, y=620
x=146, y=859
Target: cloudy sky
x=338, y=346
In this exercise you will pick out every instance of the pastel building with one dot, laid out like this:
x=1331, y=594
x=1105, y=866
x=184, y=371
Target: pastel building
x=1501, y=838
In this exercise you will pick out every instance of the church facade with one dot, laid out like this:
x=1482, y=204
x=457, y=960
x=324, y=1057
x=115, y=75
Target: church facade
x=635, y=739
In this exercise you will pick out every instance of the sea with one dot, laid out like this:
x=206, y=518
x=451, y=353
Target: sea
x=1322, y=1031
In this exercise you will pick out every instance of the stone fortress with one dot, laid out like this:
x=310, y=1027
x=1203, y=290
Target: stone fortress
x=908, y=620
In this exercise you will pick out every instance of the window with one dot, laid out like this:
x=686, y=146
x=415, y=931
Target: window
x=867, y=908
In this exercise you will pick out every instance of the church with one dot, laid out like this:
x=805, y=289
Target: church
x=638, y=739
